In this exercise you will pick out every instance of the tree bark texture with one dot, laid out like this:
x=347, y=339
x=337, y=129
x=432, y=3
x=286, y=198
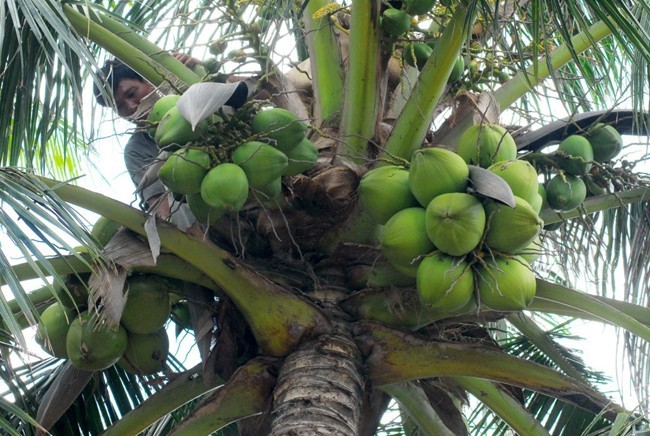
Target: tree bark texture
x=319, y=389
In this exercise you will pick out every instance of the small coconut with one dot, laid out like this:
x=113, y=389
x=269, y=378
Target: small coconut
x=145, y=291
x=261, y=162
x=574, y=155
x=444, y=283
x=605, y=142
x=510, y=230
x=184, y=169
x=302, y=157
x=145, y=354
x=565, y=192
x=505, y=284
x=384, y=191
x=225, y=187
x=485, y=144
x=520, y=175
x=404, y=240
x=436, y=171
x=531, y=253
x=455, y=223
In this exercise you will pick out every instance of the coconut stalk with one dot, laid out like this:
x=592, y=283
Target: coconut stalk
x=278, y=318
x=540, y=339
x=593, y=306
x=362, y=86
x=325, y=60
x=413, y=400
x=503, y=404
x=151, y=70
x=167, y=265
x=413, y=122
x=598, y=204
x=163, y=57
x=545, y=305
x=394, y=356
x=525, y=81
x=395, y=307
x=246, y=393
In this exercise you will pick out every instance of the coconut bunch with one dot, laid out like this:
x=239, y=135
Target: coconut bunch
x=580, y=160
x=454, y=243
x=219, y=178
x=139, y=344
x=396, y=21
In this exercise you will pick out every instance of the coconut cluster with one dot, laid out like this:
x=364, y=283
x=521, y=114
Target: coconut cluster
x=139, y=344
x=219, y=179
x=461, y=248
x=578, y=158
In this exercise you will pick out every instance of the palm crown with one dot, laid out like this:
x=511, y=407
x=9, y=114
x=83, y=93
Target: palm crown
x=304, y=315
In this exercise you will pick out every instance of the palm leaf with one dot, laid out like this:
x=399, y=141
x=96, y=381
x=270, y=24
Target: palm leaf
x=555, y=415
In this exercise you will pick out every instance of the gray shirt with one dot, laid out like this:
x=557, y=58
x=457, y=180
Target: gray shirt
x=140, y=152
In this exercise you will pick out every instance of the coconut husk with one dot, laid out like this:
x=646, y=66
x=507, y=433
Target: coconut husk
x=317, y=204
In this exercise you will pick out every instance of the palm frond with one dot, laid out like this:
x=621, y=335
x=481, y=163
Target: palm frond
x=516, y=34
x=40, y=87
x=38, y=224
x=558, y=417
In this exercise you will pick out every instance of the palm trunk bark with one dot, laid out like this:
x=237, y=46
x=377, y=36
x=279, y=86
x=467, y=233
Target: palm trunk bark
x=319, y=389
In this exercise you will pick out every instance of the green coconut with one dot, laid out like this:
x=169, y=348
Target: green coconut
x=510, y=230
x=537, y=202
x=145, y=354
x=574, y=155
x=485, y=144
x=261, y=162
x=435, y=171
x=92, y=344
x=380, y=274
x=444, y=283
x=180, y=314
x=281, y=128
x=606, y=142
x=395, y=22
x=505, y=284
x=455, y=223
x=384, y=191
x=103, y=230
x=269, y=191
x=416, y=54
x=161, y=107
x=404, y=240
x=174, y=131
x=457, y=70
x=184, y=169
x=594, y=188
x=302, y=157
x=520, y=175
x=204, y=213
x=147, y=305
x=53, y=328
x=531, y=253
x=75, y=292
x=565, y=192
x=225, y=187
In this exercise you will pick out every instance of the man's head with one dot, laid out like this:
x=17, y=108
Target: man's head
x=127, y=86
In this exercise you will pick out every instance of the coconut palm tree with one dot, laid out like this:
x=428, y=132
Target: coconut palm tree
x=304, y=321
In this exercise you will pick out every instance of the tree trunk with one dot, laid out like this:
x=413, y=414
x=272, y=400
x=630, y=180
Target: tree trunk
x=319, y=389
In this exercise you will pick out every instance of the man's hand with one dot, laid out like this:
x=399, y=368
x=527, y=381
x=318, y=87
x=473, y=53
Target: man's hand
x=186, y=59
